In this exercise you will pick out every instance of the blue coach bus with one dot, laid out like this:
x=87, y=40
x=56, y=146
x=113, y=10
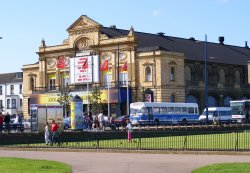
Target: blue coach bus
x=145, y=113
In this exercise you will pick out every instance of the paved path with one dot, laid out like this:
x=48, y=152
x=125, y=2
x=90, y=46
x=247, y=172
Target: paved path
x=108, y=162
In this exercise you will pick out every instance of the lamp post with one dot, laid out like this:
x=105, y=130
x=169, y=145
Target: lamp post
x=1, y=37
x=206, y=80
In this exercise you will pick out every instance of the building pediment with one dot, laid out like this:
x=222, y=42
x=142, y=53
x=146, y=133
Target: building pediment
x=83, y=23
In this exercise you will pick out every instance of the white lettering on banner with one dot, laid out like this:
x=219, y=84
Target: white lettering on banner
x=84, y=69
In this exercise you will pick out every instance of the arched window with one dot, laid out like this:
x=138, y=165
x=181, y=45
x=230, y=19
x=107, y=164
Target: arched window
x=222, y=76
x=227, y=100
x=212, y=102
x=172, y=98
x=148, y=74
x=187, y=74
x=237, y=77
x=32, y=83
x=172, y=73
x=191, y=99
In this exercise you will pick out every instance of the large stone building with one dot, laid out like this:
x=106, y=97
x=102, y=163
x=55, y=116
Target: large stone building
x=156, y=68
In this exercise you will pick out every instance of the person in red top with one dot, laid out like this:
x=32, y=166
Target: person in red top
x=1, y=122
x=55, y=133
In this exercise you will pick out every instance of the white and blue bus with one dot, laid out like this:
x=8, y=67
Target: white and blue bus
x=240, y=111
x=145, y=113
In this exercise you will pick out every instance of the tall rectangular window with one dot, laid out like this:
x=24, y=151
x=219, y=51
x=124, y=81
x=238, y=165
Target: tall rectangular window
x=13, y=103
x=1, y=104
x=107, y=79
x=21, y=102
x=8, y=103
x=1, y=90
x=11, y=89
x=52, y=84
x=123, y=78
x=20, y=89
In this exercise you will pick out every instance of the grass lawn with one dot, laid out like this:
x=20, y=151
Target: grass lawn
x=18, y=165
x=224, y=168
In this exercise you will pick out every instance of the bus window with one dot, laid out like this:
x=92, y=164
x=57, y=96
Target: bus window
x=184, y=110
x=163, y=110
x=196, y=111
x=190, y=110
x=156, y=110
x=144, y=110
x=177, y=110
x=170, y=110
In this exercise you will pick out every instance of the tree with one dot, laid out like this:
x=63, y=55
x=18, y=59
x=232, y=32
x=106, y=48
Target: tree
x=95, y=99
x=64, y=99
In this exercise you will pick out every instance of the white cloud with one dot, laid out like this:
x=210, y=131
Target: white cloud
x=156, y=12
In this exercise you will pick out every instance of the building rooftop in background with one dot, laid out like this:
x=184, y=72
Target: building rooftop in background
x=11, y=77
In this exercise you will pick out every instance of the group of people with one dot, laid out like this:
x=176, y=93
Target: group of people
x=52, y=135
x=5, y=120
x=95, y=122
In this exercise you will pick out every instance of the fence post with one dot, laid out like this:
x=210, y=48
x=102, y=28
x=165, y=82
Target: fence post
x=97, y=141
x=139, y=142
x=236, y=141
x=185, y=143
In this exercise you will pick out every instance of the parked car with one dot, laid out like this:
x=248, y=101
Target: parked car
x=66, y=123
x=121, y=121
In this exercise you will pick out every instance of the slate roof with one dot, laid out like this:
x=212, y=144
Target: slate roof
x=10, y=78
x=192, y=49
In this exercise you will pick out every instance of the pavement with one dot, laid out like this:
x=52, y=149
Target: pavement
x=98, y=161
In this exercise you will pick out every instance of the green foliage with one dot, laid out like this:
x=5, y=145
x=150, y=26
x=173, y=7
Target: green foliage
x=65, y=98
x=18, y=165
x=95, y=99
x=224, y=168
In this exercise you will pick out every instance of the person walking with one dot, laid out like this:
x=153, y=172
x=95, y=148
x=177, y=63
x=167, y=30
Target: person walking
x=7, y=121
x=1, y=122
x=55, y=133
x=129, y=129
x=46, y=133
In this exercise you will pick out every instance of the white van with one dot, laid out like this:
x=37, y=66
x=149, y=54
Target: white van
x=217, y=115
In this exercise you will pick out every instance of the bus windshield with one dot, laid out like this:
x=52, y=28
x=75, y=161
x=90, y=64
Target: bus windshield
x=237, y=108
x=209, y=112
x=134, y=111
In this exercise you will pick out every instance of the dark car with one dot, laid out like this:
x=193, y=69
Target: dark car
x=121, y=121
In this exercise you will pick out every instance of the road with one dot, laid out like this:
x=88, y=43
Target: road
x=108, y=162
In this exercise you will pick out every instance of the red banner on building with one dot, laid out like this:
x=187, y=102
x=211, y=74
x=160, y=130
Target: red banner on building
x=61, y=62
x=105, y=65
x=124, y=67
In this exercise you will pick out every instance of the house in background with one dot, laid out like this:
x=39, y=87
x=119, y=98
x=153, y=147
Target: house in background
x=11, y=93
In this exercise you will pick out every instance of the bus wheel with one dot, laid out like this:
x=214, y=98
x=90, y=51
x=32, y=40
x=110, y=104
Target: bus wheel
x=184, y=121
x=157, y=122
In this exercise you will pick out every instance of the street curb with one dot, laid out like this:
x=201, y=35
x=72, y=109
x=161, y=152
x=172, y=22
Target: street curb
x=129, y=151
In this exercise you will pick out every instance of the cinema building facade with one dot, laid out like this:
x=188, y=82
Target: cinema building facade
x=149, y=67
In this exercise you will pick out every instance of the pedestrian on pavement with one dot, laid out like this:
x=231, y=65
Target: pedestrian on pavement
x=129, y=129
x=46, y=133
x=55, y=133
x=7, y=121
x=1, y=122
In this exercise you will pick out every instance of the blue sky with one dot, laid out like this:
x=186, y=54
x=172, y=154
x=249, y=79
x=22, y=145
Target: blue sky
x=25, y=22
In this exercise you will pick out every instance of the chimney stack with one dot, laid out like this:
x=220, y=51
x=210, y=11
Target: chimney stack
x=221, y=40
x=246, y=46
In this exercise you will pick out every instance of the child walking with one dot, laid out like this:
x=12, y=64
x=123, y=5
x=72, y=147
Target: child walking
x=46, y=133
x=129, y=129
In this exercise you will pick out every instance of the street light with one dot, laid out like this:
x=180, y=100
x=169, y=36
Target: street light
x=206, y=80
x=1, y=37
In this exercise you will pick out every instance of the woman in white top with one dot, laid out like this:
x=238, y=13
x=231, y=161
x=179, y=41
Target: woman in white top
x=129, y=129
x=46, y=133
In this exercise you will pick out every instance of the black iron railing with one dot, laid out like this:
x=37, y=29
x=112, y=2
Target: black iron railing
x=196, y=139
